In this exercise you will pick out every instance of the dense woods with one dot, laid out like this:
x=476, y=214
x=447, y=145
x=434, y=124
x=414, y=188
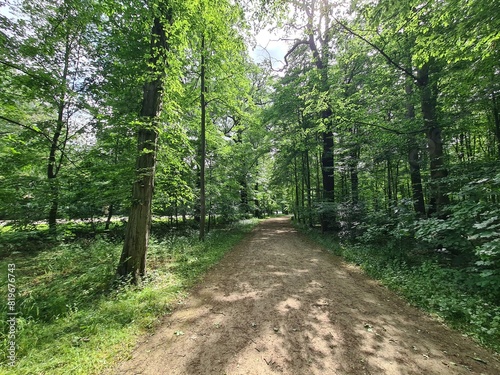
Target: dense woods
x=381, y=129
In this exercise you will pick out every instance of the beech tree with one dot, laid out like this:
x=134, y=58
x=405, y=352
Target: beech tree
x=133, y=258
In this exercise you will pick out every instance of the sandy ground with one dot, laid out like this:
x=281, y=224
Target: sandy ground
x=280, y=304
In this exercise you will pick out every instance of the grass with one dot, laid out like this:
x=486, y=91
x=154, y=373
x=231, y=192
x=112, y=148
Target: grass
x=71, y=318
x=453, y=295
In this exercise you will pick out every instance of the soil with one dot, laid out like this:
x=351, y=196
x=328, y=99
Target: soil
x=280, y=304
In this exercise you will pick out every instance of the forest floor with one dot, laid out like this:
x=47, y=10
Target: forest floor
x=280, y=304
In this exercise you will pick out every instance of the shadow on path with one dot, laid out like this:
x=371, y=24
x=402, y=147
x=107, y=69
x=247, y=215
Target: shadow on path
x=279, y=303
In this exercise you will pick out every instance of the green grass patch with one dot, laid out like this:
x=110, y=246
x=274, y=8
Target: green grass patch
x=73, y=321
x=454, y=295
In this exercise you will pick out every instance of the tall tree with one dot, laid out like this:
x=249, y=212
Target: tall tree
x=133, y=258
x=317, y=37
x=203, y=142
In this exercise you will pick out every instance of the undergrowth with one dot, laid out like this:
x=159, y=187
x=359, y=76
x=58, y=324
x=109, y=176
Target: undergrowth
x=74, y=320
x=450, y=293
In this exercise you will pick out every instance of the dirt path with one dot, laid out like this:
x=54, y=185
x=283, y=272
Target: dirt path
x=280, y=304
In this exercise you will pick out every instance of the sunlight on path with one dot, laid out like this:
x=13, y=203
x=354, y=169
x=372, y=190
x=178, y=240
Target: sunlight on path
x=279, y=304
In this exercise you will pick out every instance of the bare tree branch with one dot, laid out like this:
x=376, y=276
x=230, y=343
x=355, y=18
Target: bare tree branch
x=379, y=49
x=39, y=132
x=25, y=71
x=294, y=47
x=391, y=130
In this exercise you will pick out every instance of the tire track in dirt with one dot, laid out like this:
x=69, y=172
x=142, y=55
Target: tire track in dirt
x=280, y=304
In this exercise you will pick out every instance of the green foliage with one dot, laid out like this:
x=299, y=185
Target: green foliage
x=72, y=319
x=472, y=229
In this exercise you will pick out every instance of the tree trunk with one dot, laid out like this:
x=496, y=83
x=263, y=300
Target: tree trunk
x=308, y=187
x=428, y=96
x=54, y=165
x=321, y=62
x=327, y=171
x=389, y=182
x=245, y=207
x=353, y=167
x=110, y=215
x=414, y=159
x=133, y=258
x=54, y=204
x=303, y=188
x=354, y=185
x=297, y=215
x=203, y=104
x=496, y=119
x=256, y=212
x=256, y=202
x=318, y=174
x=416, y=178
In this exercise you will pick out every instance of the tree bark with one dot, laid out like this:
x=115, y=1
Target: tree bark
x=496, y=119
x=308, y=187
x=389, y=182
x=203, y=104
x=54, y=165
x=132, y=263
x=413, y=148
x=110, y=215
x=355, y=150
x=297, y=214
x=414, y=160
x=428, y=96
x=416, y=178
x=327, y=164
x=257, y=211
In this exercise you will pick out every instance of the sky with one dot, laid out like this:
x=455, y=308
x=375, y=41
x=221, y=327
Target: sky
x=269, y=46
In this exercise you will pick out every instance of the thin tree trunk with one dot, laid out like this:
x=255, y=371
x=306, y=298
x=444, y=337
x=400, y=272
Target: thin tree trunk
x=353, y=168
x=203, y=104
x=308, y=186
x=428, y=92
x=303, y=186
x=318, y=173
x=354, y=186
x=133, y=258
x=53, y=165
x=110, y=215
x=297, y=217
x=256, y=202
x=327, y=171
x=414, y=158
x=395, y=182
x=416, y=178
x=496, y=118
x=389, y=182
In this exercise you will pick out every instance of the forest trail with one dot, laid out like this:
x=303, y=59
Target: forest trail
x=280, y=304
